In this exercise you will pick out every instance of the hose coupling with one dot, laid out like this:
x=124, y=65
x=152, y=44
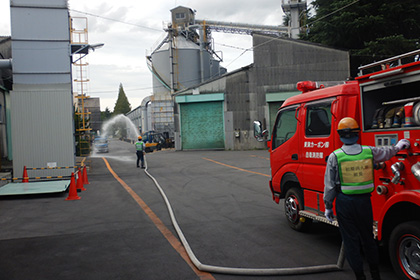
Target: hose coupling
x=381, y=190
x=416, y=170
x=396, y=168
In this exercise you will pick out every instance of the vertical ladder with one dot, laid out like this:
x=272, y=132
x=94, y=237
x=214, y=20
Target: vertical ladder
x=79, y=35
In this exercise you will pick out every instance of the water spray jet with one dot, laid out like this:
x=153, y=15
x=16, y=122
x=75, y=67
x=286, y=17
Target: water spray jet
x=120, y=126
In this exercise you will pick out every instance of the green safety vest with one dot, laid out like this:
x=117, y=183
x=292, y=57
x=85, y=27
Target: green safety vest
x=356, y=171
x=139, y=145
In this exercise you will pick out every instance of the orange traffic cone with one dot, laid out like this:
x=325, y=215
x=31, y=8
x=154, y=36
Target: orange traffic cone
x=72, y=189
x=25, y=178
x=85, y=178
x=79, y=184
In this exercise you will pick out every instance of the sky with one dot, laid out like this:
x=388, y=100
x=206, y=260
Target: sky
x=132, y=29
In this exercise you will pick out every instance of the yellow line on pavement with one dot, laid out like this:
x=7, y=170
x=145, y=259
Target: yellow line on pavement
x=161, y=227
x=266, y=158
x=238, y=168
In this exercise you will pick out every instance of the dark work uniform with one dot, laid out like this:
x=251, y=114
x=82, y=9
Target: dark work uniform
x=354, y=211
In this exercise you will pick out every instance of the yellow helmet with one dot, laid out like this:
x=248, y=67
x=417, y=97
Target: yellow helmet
x=139, y=137
x=347, y=127
x=348, y=123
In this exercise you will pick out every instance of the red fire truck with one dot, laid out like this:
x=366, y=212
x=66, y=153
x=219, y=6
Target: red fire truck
x=385, y=101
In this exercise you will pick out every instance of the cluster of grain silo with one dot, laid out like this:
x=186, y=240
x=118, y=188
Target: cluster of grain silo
x=183, y=59
x=192, y=65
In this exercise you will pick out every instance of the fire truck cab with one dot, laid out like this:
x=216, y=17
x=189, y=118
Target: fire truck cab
x=385, y=100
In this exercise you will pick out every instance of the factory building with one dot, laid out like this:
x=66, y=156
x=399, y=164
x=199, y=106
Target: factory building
x=41, y=98
x=280, y=63
x=5, y=88
x=219, y=114
x=214, y=109
x=135, y=117
x=206, y=108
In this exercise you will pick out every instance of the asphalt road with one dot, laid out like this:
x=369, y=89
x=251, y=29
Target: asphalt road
x=121, y=229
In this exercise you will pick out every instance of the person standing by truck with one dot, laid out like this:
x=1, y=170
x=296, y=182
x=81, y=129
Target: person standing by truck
x=349, y=181
x=140, y=151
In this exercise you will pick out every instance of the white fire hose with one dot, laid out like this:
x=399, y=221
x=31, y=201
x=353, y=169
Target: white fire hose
x=242, y=271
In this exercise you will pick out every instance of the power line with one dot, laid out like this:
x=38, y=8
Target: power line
x=229, y=46
x=116, y=20
x=268, y=41
x=154, y=29
x=116, y=91
x=238, y=56
x=342, y=8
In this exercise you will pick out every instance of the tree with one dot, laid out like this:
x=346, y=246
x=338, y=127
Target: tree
x=105, y=115
x=122, y=106
x=371, y=30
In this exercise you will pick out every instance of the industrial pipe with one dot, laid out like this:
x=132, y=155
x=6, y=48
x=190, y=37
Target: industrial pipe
x=6, y=63
x=201, y=32
x=241, y=271
x=171, y=62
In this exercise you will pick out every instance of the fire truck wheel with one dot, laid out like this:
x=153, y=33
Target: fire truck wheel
x=404, y=250
x=293, y=203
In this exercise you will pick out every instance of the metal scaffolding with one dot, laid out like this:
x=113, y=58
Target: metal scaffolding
x=242, y=28
x=79, y=36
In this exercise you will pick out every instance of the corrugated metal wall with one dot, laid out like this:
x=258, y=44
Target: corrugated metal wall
x=243, y=103
x=42, y=131
x=202, y=125
x=279, y=64
x=287, y=61
x=135, y=117
x=40, y=41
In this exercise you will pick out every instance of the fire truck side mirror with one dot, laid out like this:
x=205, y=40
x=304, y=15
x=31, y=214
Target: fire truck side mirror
x=259, y=133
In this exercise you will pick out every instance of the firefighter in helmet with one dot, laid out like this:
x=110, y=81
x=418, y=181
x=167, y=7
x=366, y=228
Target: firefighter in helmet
x=349, y=181
x=140, y=151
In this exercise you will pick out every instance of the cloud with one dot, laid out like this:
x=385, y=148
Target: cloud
x=131, y=29
x=252, y=12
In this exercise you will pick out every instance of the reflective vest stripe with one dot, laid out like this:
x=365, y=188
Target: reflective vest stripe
x=139, y=146
x=356, y=171
x=358, y=189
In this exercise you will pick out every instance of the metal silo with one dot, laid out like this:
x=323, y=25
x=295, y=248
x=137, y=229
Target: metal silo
x=215, y=69
x=174, y=68
x=183, y=59
x=186, y=65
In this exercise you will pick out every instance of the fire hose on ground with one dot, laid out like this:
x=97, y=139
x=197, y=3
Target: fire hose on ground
x=241, y=271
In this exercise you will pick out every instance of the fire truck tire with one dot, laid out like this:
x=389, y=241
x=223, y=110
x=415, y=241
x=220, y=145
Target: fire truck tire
x=404, y=250
x=293, y=203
